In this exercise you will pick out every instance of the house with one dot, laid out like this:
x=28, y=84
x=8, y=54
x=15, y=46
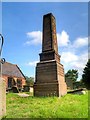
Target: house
x=13, y=76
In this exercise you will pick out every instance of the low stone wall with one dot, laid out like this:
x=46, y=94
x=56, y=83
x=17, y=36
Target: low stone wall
x=2, y=98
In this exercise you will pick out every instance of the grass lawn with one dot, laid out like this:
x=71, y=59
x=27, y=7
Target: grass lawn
x=69, y=106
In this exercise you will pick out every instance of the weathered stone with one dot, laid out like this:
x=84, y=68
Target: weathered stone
x=49, y=79
x=23, y=95
x=2, y=98
x=15, y=90
x=26, y=88
x=78, y=91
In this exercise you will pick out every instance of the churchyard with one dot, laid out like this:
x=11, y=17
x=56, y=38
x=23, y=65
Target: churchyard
x=50, y=98
x=68, y=106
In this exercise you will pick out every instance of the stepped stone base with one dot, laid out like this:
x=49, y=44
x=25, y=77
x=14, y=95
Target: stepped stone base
x=49, y=79
x=46, y=89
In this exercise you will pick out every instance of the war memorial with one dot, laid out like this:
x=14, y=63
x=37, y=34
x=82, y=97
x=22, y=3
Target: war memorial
x=49, y=79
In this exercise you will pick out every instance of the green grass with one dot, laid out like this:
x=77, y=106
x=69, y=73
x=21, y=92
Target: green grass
x=69, y=106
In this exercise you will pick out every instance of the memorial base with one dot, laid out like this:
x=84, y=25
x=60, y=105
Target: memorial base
x=49, y=79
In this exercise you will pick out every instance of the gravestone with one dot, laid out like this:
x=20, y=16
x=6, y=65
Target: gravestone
x=2, y=98
x=15, y=90
x=49, y=79
x=26, y=88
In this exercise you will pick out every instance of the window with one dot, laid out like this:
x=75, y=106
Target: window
x=11, y=82
x=19, y=83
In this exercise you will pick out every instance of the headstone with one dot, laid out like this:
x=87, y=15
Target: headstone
x=26, y=88
x=78, y=91
x=15, y=90
x=69, y=83
x=2, y=98
x=31, y=89
x=49, y=79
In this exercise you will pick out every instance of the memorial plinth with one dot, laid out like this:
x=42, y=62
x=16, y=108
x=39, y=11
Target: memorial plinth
x=49, y=79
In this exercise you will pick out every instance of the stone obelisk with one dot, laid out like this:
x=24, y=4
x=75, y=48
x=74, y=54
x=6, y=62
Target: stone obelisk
x=49, y=79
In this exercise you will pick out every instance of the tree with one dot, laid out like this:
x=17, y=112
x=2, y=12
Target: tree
x=86, y=75
x=29, y=80
x=72, y=75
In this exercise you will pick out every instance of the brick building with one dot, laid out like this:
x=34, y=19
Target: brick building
x=13, y=76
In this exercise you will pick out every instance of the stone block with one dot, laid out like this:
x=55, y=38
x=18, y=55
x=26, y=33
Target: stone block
x=50, y=79
x=2, y=98
x=15, y=90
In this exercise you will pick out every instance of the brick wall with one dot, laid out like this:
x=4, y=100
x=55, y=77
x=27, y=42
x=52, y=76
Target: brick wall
x=15, y=78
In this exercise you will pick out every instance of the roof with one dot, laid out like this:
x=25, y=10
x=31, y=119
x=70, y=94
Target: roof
x=12, y=70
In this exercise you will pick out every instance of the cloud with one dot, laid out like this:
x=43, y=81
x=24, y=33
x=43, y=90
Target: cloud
x=35, y=38
x=82, y=60
x=89, y=46
x=80, y=42
x=63, y=38
x=67, y=57
x=80, y=63
x=32, y=63
x=71, y=56
x=89, y=55
x=72, y=61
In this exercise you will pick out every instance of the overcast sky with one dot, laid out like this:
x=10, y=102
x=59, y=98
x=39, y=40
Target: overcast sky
x=22, y=30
